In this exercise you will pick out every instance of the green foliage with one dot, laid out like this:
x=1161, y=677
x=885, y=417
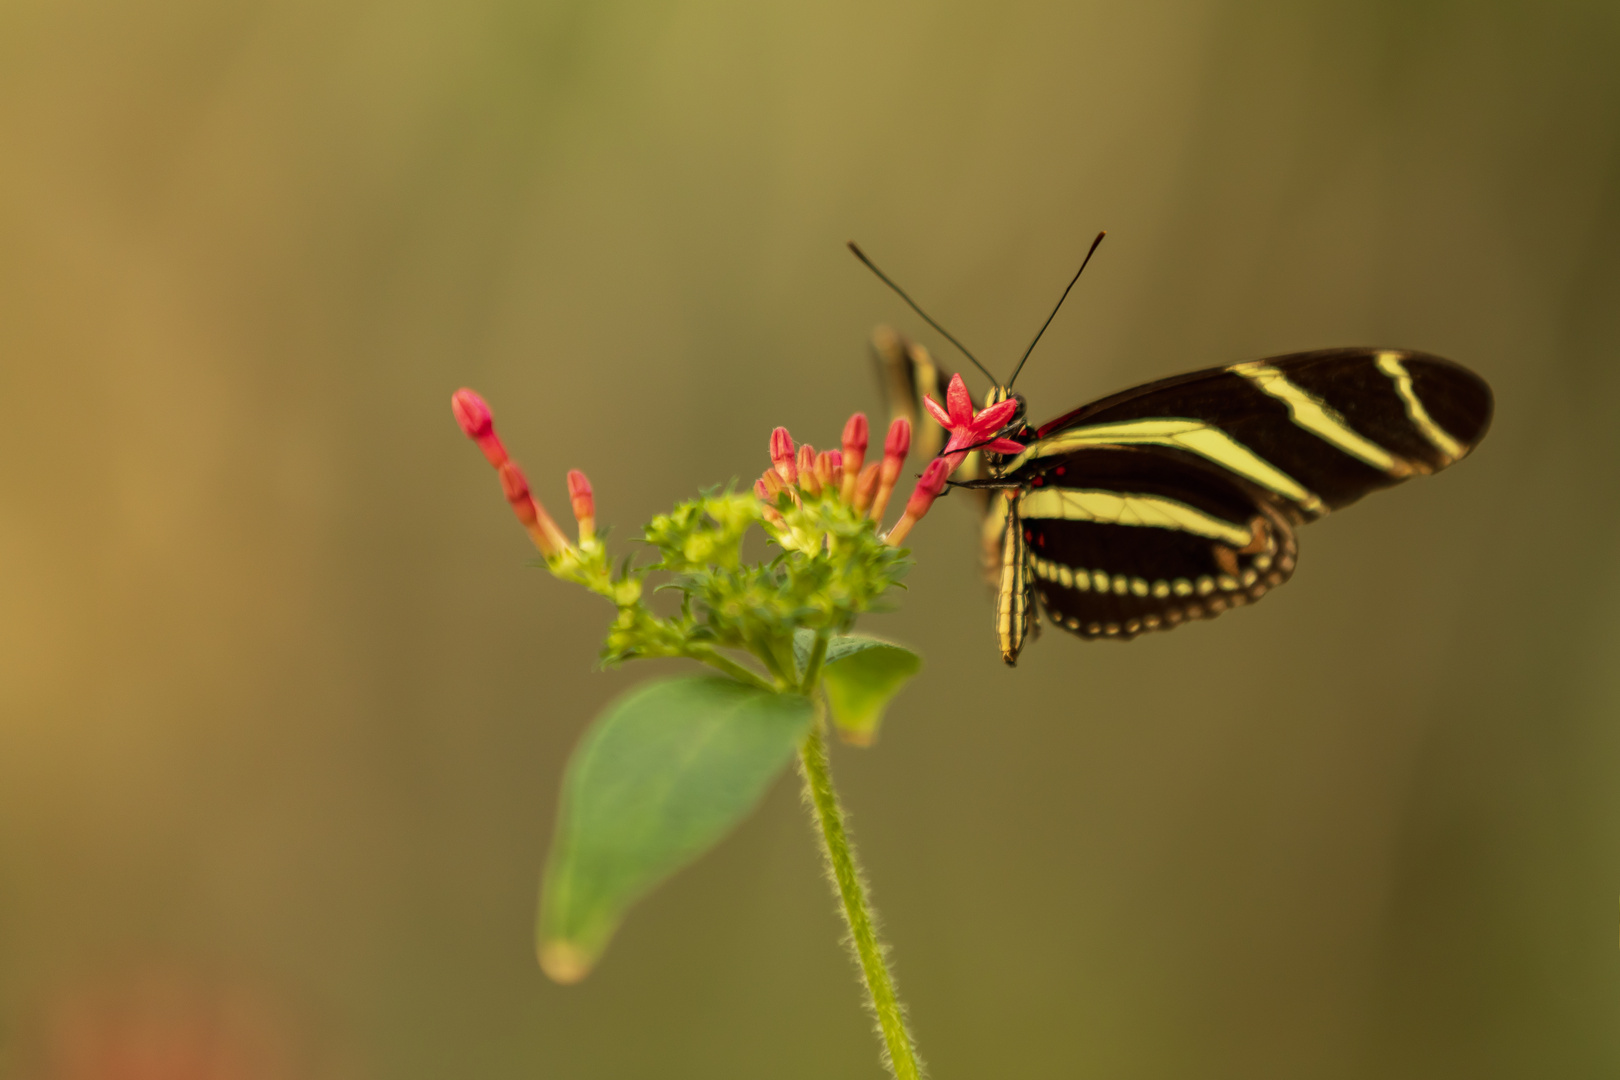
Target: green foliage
x=667, y=770
x=861, y=675
x=832, y=566
x=658, y=779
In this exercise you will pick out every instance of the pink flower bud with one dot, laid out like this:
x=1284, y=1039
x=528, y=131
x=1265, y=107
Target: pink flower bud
x=930, y=486
x=898, y=442
x=478, y=424
x=516, y=488
x=895, y=447
x=828, y=474
x=865, y=487
x=806, y=464
x=854, y=455
x=475, y=420
x=579, y=491
x=927, y=490
x=542, y=530
x=762, y=491
x=773, y=485
x=837, y=462
x=471, y=413
x=855, y=436
x=782, y=455
x=584, y=502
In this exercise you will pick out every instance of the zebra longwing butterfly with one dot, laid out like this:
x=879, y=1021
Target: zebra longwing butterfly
x=1179, y=499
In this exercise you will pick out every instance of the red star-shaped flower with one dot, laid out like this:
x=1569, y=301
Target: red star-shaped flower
x=970, y=431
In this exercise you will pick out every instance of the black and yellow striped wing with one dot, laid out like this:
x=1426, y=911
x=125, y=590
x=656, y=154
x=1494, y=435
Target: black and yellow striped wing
x=1316, y=430
x=1177, y=500
x=906, y=372
x=1120, y=540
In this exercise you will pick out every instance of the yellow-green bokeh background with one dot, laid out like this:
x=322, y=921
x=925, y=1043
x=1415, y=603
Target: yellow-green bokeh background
x=280, y=700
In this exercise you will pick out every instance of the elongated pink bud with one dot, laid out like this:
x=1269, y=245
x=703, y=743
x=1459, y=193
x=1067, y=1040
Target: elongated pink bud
x=930, y=486
x=854, y=455
x=897, y=444
x=478, y=424
x=828, y=475
x=922, y=497
x=773, y=484
x=806, y=464
x=855, y=435
x=782, y=455
x=515, y=486
x=865, y=487
x=473, y=416
x=895, y=448
x=471, y=412
x=542, y=530
x=584, y=501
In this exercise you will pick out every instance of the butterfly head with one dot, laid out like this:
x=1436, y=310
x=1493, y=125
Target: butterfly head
x=1015, y=423
x=1015, y=428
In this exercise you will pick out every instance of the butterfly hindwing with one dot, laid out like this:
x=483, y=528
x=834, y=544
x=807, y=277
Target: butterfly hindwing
x=1123, y=540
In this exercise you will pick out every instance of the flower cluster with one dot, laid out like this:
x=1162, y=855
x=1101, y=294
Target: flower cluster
x=843, y=474
x=679, y=760
x=822, y=510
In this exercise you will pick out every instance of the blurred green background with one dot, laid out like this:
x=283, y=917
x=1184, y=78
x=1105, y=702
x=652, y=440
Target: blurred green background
x=283, y=712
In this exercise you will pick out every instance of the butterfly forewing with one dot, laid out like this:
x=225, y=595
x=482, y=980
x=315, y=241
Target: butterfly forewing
x=1315, y=430
x=906, y=373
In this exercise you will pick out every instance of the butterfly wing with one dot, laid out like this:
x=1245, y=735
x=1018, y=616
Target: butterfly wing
x=1315, y=430
x=906, y=372
x=1177, y=499
x=1123, y=540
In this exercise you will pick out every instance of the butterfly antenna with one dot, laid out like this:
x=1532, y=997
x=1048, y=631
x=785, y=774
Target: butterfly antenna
x=1052, y=316
x=870, y=265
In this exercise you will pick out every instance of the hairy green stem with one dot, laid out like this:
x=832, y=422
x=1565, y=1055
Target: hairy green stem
x=902, y=1057
x=812, y=667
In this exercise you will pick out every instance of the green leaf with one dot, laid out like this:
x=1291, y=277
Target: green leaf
x=861, y=674
x=658, y=779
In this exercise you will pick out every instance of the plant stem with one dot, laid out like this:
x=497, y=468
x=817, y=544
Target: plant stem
x=812, y=667
x=902, y=1059
x=732, y=668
